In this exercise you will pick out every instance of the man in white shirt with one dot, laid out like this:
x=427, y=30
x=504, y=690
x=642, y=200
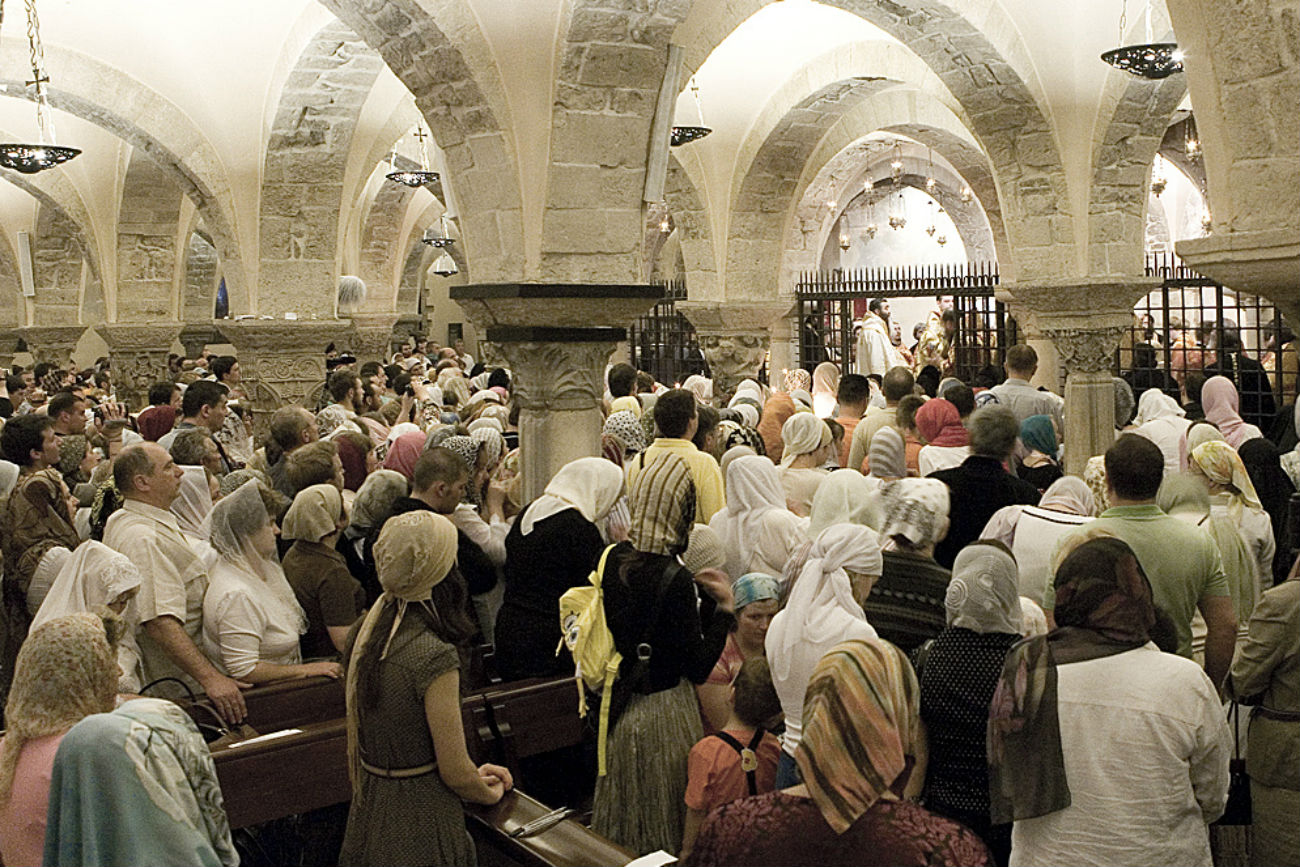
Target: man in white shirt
x=876, y=352
x=170, y=600
x=1018, y=395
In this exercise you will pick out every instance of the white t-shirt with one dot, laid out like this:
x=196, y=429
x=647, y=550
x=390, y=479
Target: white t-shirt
x=1146, y=747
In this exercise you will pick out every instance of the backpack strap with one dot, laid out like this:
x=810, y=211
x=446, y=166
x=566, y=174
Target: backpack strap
x=748, y=755
x=644, y=649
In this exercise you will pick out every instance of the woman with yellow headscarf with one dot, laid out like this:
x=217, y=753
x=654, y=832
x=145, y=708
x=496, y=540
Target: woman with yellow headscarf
x=406, y=743
x=1233, y=496
x=862, y=735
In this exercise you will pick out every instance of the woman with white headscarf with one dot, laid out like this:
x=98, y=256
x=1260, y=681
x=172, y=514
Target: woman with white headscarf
x=807, y=444
x=251, y=618
x=406, y=743
x=1031, y=532
x=1233, y=496
x=192, y=505
x=825, y=383
x=757, y=531
x=1161, y=420
x=93, y=576
x=824, y=608
x=553, y=546
x=958, y=674
x=906, y=604
x=700, y=387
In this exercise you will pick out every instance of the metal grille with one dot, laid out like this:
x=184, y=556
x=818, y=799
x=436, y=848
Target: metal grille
x=831, y=302
x=662, y=342
x=1192, y=328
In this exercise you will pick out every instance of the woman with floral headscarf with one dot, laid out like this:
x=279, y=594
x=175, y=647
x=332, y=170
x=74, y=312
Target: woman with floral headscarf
x=650, y=599
x=906, y=604
x=862, y=740
x=958, y=673
x=1152, y=769
x=1233, y=496
x=406, y=743
x=66, y=670
x=251, y=618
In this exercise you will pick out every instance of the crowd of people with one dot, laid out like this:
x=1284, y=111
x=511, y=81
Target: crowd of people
x=863, y=619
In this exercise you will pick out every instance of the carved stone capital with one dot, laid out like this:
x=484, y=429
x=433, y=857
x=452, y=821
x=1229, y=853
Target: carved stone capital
x=733, y=357
x=734, y=317
x=554, y=305
x=196, y=335
x=1087, y=350
x=1081, y=303
x=52, y=342
x=557, y=376
x=138, y=352
x=284, y=361
x=1261, y=263
x=373, y=335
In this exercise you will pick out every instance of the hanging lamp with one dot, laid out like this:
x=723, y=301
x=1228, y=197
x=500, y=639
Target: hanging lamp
x=439, y=234
x=1158, y=179
x=1151, y=59
x=930, y=182
x=32, y=158
x=1192, y=141
x=444, y=265
x=414, y=178
x=686, y=134
x=896, y=164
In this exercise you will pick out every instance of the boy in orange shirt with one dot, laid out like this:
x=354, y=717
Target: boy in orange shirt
x=740, y=760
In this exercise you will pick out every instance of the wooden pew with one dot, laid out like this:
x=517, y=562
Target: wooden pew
x=568, y=844
x=282, y=776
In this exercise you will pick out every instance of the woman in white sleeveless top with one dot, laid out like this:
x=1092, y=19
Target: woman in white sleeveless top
x=1031, y=532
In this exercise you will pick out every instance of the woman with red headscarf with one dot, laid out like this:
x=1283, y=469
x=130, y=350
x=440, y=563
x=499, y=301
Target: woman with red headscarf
x=947, y=440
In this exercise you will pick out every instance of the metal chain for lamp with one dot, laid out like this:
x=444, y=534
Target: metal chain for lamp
x=32, y=158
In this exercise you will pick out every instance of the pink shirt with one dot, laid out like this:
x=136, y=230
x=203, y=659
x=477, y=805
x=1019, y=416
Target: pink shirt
x=22, y=819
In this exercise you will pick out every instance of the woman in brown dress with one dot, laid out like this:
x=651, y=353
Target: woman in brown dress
x=406, y=744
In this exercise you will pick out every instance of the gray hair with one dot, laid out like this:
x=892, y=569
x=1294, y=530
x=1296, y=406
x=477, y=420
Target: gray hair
x=189, y=448
x=993, y=431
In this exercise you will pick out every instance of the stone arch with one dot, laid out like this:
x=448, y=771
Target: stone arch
x=383, y=234
x=147, y=237
x=694, y=231
x=458, y=91
x=972, y=228
x=55, y=191
x=302, y=182
x=1132, y=125
x=1000, y=101
x=65, y=292
x=103, y=95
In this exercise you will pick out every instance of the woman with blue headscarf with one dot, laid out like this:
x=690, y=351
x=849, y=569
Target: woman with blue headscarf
x=756, y=595
x=1040, y=466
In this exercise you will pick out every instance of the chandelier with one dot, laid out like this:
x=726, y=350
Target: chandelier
x=686, y=134
x=930, y=182
x=941, y=240
x=32, y=158
x=898, y=220
x=1150, y=59
x=896, y=164
x=1192, y=141
x=1158, y=180
x=444, y=265
x=439, y=234
x=414, y=178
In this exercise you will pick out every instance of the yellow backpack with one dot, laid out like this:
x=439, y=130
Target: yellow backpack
x=596, y=660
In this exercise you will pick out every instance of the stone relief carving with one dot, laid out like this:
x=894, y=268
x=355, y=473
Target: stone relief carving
x=557, y=376
x=732, y=357
x=1086, y=350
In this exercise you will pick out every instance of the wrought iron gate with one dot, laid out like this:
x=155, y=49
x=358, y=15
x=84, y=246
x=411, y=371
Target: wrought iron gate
x=1192, y=327
x=662, y=342
x=830, y=303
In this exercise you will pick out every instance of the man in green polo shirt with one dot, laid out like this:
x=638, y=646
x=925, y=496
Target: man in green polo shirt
x=1180, y=560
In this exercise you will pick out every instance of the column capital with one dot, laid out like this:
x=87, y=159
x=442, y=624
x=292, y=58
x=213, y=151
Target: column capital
x=734, y=337
x=283, y=361
x=139, y=336
x=1261, y=263
x=1084, y=302
x=373, y=335
x=1087, y=350
x=557, y=376
x=56, y=340
x=8, y=345
x=138, y=352
x=734, y=317
x=554, y=305
x=196, y=335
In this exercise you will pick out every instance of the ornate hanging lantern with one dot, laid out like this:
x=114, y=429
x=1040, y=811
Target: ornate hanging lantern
x=1151, y=59
x=686, y=134
x=45, y=154
x=414, y=178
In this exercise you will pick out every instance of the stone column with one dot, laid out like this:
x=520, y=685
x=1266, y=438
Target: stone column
x=734, y=337
x=557, y=339
x=138, y=353
x=52, y=342
x=372, y=338
x=8, y=346
x=282, y=361
x=1085, y=320
x=784, y=351
x=196, y=335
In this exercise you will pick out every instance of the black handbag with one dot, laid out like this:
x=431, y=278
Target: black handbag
x=1238, y=810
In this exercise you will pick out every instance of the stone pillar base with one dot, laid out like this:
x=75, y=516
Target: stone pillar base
x=1263, y=263
x=734, y=337
x=138, y=353
x=372, y=338
x=283, y=362
x=52, y=342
